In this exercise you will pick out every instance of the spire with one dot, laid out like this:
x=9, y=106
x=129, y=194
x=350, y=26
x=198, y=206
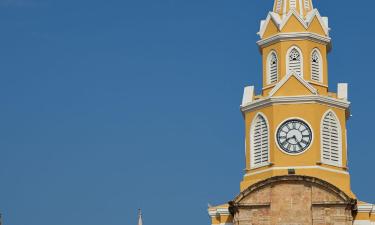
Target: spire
x=302, y=7
x=140, y=222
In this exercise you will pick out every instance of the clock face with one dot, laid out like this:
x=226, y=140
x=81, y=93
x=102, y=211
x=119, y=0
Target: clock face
x=294, y=136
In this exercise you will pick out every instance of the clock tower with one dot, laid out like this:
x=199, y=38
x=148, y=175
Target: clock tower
x=296, y=141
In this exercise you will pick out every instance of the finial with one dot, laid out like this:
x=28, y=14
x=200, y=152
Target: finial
x=140, y=220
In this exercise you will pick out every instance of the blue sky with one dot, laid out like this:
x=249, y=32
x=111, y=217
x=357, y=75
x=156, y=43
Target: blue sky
x=109, y=106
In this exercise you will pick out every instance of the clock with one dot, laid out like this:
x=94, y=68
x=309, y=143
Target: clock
x=294, y=136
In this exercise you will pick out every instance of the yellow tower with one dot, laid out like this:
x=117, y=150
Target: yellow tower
x=295, y=128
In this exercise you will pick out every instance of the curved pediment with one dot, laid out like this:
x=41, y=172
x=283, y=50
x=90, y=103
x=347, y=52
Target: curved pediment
x=294, y=200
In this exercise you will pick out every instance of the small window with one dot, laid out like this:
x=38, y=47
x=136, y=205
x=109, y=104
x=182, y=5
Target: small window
x=331, y=140
x=272, y=68
x=259, y=139
x=292, y=4
x=316, y=66
x=307, y=4
x=278, y=6
x=295, y=61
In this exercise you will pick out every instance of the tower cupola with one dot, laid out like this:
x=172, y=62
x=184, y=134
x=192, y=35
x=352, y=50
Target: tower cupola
x=302, y=7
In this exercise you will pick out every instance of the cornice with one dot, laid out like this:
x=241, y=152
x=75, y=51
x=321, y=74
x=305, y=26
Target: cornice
x=295, y=36
x=295, y=100
x=219, y=212
x=367, y=208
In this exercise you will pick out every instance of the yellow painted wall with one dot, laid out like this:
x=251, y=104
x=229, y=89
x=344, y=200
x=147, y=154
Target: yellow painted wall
x=312, y=113
x=306, y=47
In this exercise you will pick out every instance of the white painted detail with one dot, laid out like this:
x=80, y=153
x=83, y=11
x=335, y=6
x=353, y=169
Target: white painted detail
x=278, y=6
x=295, y=61
x=292, y=4
x=307, y=4
x=218, y=212
x=281, y=21
x=331, y=139
x=248, y=95
x=294, y=36
x=297, y=168
x=299, y=78
x=342, y=91
x=316, y=66
x=362, y=222
x=272, y=68
x=259, y=139
x=305, y=99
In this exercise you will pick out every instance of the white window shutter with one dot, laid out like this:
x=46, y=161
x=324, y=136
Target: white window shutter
x=294, y=63
x=278, y=6
x=316, y=66
x=259, y=142
x=272, y=68
x=292, y=4
x=331, y=140
x=307, y=4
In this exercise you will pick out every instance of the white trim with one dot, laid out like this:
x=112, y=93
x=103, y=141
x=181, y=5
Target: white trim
x=339, y=140
x=362, y=222
x=315, y=13
x=288, y=61
x=321, y=69
x=289, y=15
x=294, y=36
x=312, y=135
x=285, y=5
x=218, y=212
x=300, y=7
x=295, y=167
x=299, y=78
x=280, y=22
x=252, y=164
x=296, y=100
x=268, y=67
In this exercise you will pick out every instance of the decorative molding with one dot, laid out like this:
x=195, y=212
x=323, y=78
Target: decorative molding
x=281, y=22
x=218, y=212
x=299, y=78
x=296, y=178
x=261, y=103
x=296, y=167
x=295, y=36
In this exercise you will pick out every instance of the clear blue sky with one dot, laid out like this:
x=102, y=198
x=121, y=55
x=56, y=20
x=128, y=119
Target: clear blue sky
x=109, y=106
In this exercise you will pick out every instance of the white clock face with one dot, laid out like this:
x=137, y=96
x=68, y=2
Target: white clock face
x=294, y=136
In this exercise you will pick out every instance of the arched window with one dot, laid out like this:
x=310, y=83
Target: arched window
x=294, y=62
x=272, y=68
x=259, y=139
x=331, y=140
x=316, y=66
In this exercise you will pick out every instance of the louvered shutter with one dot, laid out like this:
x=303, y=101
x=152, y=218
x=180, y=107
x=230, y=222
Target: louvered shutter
x=293, y=4
x=260, y=145
x=295, y=61
x=331, y=146
x=278, y=6
x=315, y=66
x=272, y=68
x=307, y=4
